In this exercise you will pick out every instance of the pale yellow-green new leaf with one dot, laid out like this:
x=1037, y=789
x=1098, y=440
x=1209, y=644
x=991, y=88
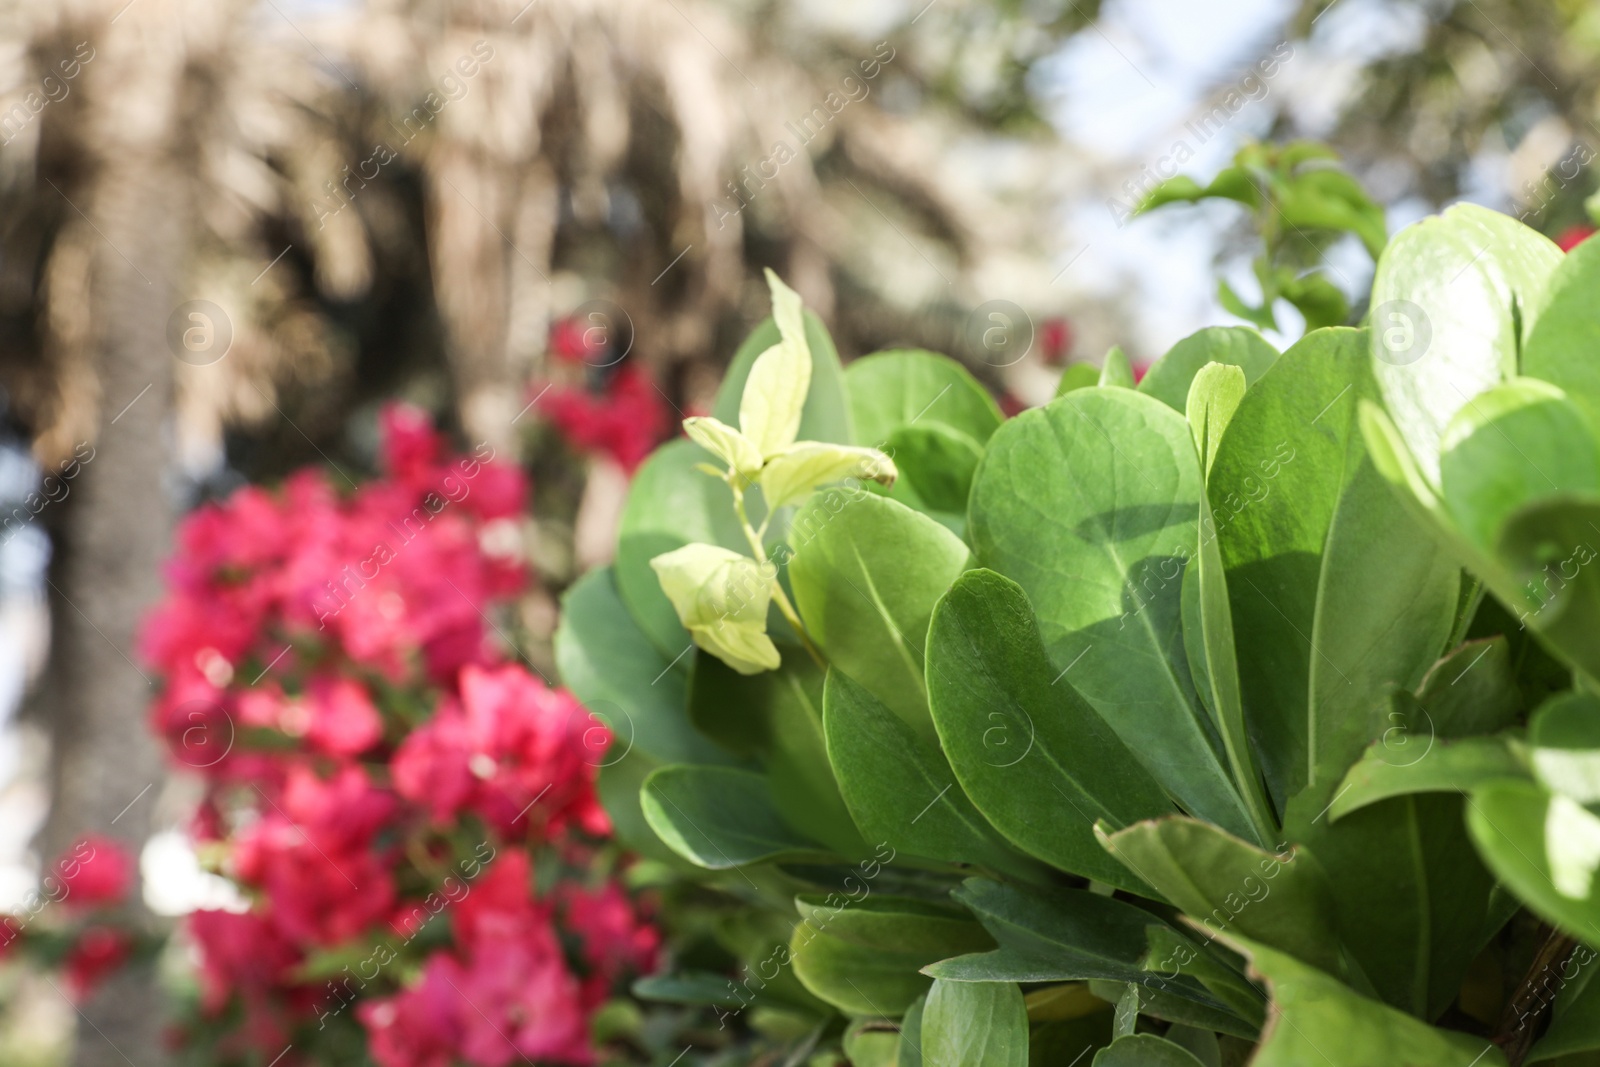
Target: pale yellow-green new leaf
x=792, y=474
x=721, y=597
x=724, y=442
x=775, y=392
x=744, y=646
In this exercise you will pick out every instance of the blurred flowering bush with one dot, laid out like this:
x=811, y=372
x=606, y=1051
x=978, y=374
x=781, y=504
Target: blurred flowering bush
x=410, y=815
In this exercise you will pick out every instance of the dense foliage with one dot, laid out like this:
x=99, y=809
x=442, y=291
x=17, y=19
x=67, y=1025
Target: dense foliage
x=408, y=814
x=1246, y=712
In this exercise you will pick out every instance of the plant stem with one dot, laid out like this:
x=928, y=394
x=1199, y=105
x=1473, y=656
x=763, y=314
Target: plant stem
x=778, y=595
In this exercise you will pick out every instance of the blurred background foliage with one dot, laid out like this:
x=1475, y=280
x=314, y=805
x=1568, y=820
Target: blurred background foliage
x=409, y=198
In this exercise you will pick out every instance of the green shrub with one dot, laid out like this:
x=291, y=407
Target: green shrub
x=1251, y=708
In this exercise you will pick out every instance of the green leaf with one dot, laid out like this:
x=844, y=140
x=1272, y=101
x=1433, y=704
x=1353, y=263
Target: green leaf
x=688, y=987
x=1134, y=1000
x=866, y=581
x=1316, y=297
x=1446, y=302
x=1172, y=954
x=1561, y=342
x=912, y=387
x=797, y=470
x=1144, y=1050
x=893, y=924
x=1224, y=884
x=1548, y=580
x=1330, y=199
x=826, y=415
x=1260, y=317
x=1214, y=395
x=670, y=504
x=911, y=1034
x=775, y=393
x=898, y=787
x=1564, y=746
x=1181, y=189
x=1317, y=1019
x=1035, y=758
x=1514, y=443
x=974, y=1025
x=1441, y=767
x=856, y=979
x=723, y=441
x=1168, y=379
x=614, y=670
x=1336, y=597
x=1091, y=504
x=936, y=465
x=1078, y=376
x=1117, y=370
x=1067, y=935
x=718, y=817
x=1575, y=1017
x=1546, y=847
x=776, y=717
x=871, y=1043
x=1471, y=690
x=721, y=598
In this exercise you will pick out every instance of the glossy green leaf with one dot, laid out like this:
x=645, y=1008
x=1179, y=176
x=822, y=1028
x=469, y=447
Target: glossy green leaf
x=1173, y=954
x=856, y=979
x=1117, y=370
x=670, y=504
x=1514, y=443
x=776, y=717
x=1551, y=582
x=1564, y=746
x=1144, y=1050
x=936, y=464
x=1411, y=897
x=1562, y=340
x=1446, y=302
x=1440, y=767
x=618, y=784
x=872, y=1043
x=1091, y=504
x=1471, y=690
x=1031, y=753
x=1168, y=379
x=866, y=583
x=718, y=817
x=1078, y=376
x=894, y=924
x=898, y=787
x=1065, y=935
x=911, y=387
x=1317, y=1019
x=1546, y=847
x=1214, y=396
x=1226, y=885
x=614, y=670
x=974, y=1025
x=911, y=1034
x=1337, y=597
x=826, y=415
x=688, y=987
x=1141, y=999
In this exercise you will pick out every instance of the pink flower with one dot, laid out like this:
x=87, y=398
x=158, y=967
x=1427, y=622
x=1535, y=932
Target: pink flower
x=410, y=450
x=313, y=852
x=1055, y=340
x=98, y=952
x=616, y=941
x=1573, y=236
x=238, y=954
x=344, y=721
x=517, y=753
x=95, y=871
x=626, y=421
